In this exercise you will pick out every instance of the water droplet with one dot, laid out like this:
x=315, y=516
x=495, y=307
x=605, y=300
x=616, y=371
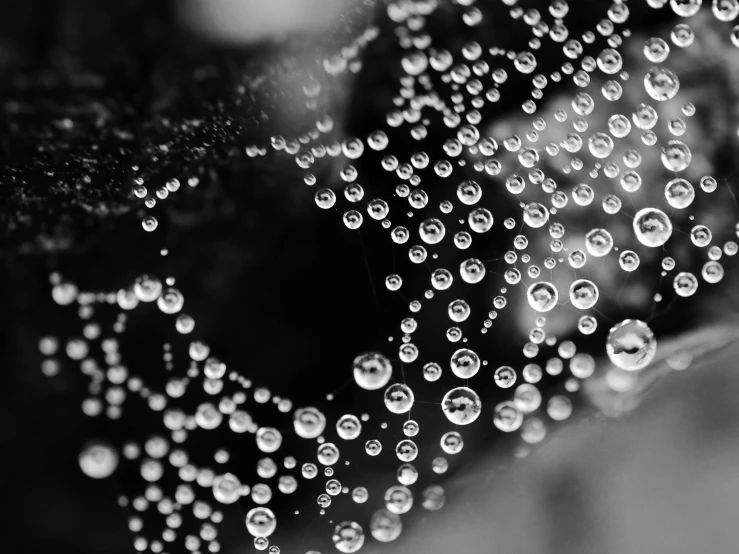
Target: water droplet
x=631, y=345
x=461, y=405
x=652, y=227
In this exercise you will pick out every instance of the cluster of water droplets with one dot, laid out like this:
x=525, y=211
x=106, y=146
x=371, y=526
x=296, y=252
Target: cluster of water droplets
x=549, y=266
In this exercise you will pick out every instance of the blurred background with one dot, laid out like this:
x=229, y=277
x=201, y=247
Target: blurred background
x=283, y=293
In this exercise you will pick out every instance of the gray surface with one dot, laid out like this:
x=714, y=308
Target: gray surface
x=664, y=479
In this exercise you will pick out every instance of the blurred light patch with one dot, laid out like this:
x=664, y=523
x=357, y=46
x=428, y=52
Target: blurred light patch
x=249, y=21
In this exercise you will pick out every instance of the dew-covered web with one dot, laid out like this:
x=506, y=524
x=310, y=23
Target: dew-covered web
x=588, y=214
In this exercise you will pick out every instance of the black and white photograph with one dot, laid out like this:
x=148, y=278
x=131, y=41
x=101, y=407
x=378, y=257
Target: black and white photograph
x=374, y=276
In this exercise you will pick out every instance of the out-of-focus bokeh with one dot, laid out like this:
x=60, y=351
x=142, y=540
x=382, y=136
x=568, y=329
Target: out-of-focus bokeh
x=249, y=21
x=662, y=479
